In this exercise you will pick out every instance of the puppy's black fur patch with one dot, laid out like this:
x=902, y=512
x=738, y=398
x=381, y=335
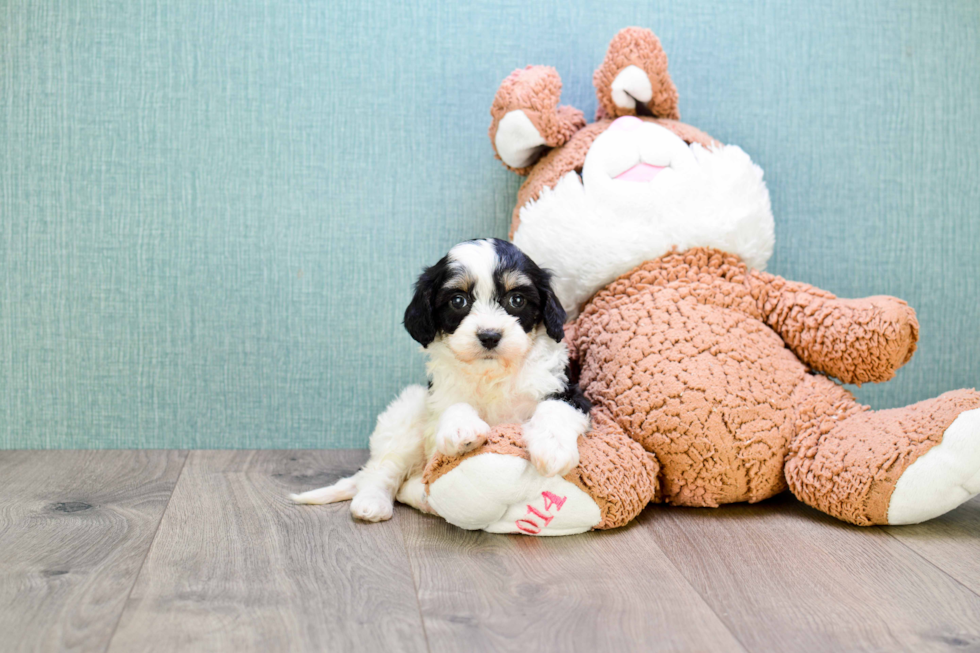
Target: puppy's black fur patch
x=542, y=305
x=574, y=397
x=420, y=319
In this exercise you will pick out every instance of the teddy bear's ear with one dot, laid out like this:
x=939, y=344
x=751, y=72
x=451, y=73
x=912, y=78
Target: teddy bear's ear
x=527, y=120
x=633, y=79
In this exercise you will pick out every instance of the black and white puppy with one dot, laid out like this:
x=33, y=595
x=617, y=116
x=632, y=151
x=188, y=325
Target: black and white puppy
x=492, y=328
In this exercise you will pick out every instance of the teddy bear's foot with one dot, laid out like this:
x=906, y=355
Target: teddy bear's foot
x=412, y=493
x=943, y=478
x=633, y=78
x=895, y=466
x=527, y=119
x=505, y=494
x=496, y=488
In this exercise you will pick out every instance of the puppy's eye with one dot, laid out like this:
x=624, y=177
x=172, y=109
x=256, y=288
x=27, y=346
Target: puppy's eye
x=458, y=302
x=516, y=300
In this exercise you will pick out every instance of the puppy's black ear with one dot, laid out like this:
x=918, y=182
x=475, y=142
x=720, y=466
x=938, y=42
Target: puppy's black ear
x=420, y=319
x=552, y=312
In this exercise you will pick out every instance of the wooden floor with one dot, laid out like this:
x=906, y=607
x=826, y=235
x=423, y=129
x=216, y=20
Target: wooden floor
x=201, y=551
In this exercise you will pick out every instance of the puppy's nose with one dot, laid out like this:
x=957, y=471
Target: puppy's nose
x=489, y=339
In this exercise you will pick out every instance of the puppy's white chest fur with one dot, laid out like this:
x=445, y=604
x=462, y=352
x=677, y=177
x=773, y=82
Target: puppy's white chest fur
x=501, y=392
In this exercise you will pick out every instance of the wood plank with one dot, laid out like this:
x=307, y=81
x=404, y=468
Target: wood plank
x=785, y=577
x=602, y=591
x=236, y=567
x=951, y=542
x=75, y=527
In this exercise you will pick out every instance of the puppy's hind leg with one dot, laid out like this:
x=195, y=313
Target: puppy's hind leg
x=397, y=450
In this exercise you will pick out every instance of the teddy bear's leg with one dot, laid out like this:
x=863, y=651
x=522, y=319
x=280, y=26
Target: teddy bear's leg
x=633, y=78
x=615, y=471
x=527, y=119
x=497, y=489
x=897, y=466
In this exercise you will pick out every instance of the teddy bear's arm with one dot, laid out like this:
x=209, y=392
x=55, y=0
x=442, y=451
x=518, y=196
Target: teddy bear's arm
x=855, y=340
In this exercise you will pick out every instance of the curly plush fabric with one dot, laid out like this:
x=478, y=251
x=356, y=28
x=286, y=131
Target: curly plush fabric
x=857, y=341
x=702, y=373
x=676, y=351
x=638, y=47
x=699, y=360
x=615, y=471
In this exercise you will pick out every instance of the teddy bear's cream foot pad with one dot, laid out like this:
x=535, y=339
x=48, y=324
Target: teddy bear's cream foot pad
x=506, y=494
x=942, y=478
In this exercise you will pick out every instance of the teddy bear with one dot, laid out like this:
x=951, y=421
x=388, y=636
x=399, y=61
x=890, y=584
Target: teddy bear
x=712, y=381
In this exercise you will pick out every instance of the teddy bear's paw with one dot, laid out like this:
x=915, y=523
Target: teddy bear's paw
x=942, y=478
x=502, y=493
x=460, y=430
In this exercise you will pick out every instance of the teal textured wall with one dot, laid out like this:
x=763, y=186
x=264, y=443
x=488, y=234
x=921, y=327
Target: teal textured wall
x=211, y=211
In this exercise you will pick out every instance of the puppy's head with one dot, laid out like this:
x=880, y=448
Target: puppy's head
x=484, y=300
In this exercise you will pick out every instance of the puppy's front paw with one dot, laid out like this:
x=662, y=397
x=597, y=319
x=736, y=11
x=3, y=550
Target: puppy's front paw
x=460, y=430
x=552, y=454
x=551, y=437
x=371, y=505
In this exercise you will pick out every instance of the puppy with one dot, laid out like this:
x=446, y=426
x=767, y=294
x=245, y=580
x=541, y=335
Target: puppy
x=491, y=326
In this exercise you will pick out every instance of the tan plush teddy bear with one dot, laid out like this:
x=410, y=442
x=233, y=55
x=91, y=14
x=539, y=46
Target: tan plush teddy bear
x=710, y=378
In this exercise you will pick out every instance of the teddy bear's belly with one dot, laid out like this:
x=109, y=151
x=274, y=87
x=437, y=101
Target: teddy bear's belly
x=706, y=389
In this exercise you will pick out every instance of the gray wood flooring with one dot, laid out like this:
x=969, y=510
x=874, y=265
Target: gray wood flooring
x=201, y=551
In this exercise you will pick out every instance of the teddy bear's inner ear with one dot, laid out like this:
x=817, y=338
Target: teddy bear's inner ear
x=633, y=78
x=518, y=142
x=527, y=119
